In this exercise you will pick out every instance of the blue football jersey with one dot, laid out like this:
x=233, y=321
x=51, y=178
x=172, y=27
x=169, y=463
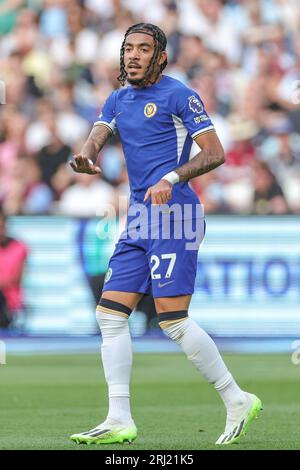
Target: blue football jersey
x=157, y=125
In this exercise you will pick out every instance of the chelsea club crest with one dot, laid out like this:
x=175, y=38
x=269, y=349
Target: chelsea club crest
x=150, y=109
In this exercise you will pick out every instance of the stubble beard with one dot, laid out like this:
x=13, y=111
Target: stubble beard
x=135, y=81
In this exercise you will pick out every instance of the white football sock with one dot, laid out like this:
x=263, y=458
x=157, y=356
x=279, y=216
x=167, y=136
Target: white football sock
x=202, y=351
x=232, y=395
x=119, y=410
x=116, y=351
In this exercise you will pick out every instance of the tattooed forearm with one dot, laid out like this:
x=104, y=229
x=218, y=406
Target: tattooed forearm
x=95, y=141
x=203, y=162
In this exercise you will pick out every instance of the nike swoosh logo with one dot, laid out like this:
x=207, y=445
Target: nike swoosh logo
x=164, y=284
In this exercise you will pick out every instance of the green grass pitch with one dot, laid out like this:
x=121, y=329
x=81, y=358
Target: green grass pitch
x=44, y=399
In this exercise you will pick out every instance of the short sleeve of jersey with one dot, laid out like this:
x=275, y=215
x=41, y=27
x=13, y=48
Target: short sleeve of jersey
x=107, y=116
x=190, y=109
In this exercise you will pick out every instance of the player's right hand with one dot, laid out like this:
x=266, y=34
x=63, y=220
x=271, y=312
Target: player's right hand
x=160, y=193
x=82, y=164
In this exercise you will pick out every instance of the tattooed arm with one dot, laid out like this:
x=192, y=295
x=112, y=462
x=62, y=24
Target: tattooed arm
x=210, y=157
x=84, y=162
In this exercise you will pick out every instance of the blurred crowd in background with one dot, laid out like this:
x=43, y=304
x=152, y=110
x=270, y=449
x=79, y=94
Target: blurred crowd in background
x=59, y=60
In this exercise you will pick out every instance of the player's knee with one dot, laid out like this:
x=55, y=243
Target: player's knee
x=112, y=317
x=173, y=323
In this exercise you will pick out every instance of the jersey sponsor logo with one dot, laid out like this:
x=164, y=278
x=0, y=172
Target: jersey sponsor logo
x=108, y=275
x=195, y=104
x=150, y=109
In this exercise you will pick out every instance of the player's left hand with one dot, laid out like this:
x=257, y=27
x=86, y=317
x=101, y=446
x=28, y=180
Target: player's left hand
x=160, y=193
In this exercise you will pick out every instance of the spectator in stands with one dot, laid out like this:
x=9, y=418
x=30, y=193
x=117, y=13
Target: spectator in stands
x=12, y=129
x=88, y=197
x=281, y=151
x=53, y=155
x=268, y=197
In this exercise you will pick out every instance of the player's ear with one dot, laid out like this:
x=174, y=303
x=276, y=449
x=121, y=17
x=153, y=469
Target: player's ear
x=163, y=57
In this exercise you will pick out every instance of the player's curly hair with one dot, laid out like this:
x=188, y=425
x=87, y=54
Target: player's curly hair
x=160, y=44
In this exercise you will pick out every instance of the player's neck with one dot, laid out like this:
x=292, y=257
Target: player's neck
x=155, y=79
x=158, y=79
